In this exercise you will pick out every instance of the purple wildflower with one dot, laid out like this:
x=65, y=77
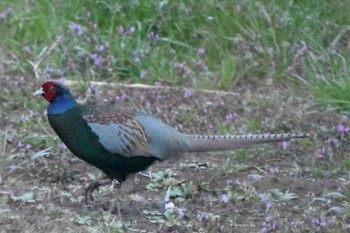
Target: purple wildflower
x=181, y=68
x=32, y=114
x=188, y=10
x=268, y=204
x=25, y=117
x=266, y=200
x=230, y=117
x=188, y=93
x=181, y=213
x=200, y=65
x=321, y=153
x=232, y=181
x=158, y=84
x=344, y=117
x=99, y=48
x=224, y=198
x=26, y=49
x=268, y=225
x=333, y=51
x=19, y=144
x=336, y=209
x=318, y=222
x=284, y=145
x=76, y=28
x=152, y=36
x=144, y=74
x=202, y=216
x=48, y=70
x=294, y=223
x=132, y=29
x=273, y=170
x=201, y=51
x=28, y=147
x=137, y=60
x=80, y=54
x=120, y=29
x=333, y=141
x=221, y=227
x=4, y=15
x=121, y=97
x=59, y=72
x=331, y=220
x=63, y=146
x=340, y=128
x=179, y=126
x=258, y=49
x=256, y=36
x=92, y=90
x=54, y=71
x=98, y=59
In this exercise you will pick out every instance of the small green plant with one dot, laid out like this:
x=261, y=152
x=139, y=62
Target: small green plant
x=347, y=163
x=225, y=169
x=331, y=88
x=27, y=197
x=172, y=217
x=83, y=220
x=254, y=124
x=240, y=154
x=161, y=179
x=183, y=190
x=279, y=196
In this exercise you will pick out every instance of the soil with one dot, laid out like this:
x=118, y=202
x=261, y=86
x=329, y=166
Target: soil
x=46, y=194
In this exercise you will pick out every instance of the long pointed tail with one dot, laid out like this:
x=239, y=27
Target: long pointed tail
x=201, y=143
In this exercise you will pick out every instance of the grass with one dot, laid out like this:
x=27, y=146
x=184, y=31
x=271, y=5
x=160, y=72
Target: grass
x=206, y=44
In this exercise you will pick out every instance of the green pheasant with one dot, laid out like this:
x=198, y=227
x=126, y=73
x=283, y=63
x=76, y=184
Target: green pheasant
x=120, y=143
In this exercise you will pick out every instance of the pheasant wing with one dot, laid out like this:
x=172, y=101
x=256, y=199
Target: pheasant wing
x=119, y=132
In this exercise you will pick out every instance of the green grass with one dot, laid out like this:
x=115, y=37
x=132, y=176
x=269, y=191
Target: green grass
x=285, y=40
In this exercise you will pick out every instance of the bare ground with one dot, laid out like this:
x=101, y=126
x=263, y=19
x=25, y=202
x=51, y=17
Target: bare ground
x=45, y=194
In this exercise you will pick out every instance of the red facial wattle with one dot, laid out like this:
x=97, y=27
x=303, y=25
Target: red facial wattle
x=50, y=90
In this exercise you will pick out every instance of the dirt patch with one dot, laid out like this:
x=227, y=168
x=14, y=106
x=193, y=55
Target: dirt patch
x=46, y=194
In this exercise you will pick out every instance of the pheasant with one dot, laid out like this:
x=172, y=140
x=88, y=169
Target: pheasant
x=120, y=143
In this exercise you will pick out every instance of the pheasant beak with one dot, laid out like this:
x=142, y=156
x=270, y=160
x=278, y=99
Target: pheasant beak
x=39, y=92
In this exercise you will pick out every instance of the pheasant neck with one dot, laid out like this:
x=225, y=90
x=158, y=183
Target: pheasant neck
x=61, y=104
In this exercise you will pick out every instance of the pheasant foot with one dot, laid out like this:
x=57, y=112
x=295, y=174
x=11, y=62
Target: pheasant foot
x=95, y=185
